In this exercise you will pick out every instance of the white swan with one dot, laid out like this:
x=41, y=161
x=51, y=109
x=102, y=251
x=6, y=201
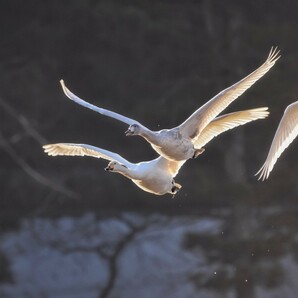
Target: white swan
x=157, y=176
x=180, y=143
x=286, y=132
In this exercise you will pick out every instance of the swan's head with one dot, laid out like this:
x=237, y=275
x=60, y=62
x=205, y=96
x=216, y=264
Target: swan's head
x=133, y=130
x=175, y=187
x=115, y=166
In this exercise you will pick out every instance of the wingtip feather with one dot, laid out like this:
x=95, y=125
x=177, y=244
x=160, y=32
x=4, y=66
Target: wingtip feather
x=65, y=89
x=273, y=54
x=48, y=149
x=263, y=172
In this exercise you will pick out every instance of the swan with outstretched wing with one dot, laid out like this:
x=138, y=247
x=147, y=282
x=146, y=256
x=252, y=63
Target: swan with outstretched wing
x=180, y=143
x=155, y=176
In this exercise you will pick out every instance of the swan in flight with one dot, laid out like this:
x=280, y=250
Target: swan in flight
x=286, y=132
x=157, y=176
x=181, y=142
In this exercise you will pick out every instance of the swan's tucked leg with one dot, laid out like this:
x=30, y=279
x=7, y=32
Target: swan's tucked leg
x=198, y=152
x=175, y=188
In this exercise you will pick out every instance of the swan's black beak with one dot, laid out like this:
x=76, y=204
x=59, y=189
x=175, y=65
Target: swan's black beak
x=129, y=132
x=108, y=168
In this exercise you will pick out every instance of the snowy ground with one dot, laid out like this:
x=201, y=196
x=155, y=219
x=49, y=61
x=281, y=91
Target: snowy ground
x=126, y=256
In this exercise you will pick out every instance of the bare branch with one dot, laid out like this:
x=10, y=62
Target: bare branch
x=23, y=122
x=31, y=172
x=113, y=259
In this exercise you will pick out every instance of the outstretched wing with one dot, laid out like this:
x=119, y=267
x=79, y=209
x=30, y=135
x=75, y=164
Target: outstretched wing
x=71, y=149
x=102, y=111
x=286, y=132
x=195, y=124
x=226, y=122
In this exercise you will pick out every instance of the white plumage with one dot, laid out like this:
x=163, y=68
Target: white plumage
x=286, y=132
x=156, y=176
x=183, y=142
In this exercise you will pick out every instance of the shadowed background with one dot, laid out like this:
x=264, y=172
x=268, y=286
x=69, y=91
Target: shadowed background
x=156, y=62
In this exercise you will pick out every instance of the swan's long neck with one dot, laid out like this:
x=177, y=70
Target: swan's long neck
x=131, y=174
x=149, y=136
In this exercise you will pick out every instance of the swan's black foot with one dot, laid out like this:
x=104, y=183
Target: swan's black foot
x=198, y=152
x=175, y=188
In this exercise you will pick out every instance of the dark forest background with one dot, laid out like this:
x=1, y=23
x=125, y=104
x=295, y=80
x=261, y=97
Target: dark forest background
x=155, y=61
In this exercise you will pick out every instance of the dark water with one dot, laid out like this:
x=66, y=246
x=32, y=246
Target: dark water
x=244, y=252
